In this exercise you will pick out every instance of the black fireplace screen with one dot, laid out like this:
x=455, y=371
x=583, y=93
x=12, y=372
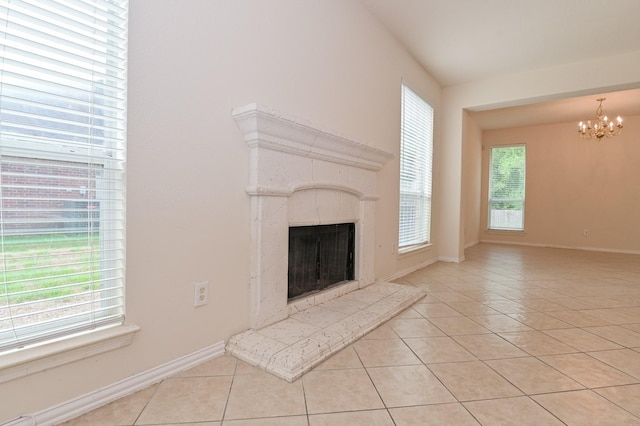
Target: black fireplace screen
x=320, y=256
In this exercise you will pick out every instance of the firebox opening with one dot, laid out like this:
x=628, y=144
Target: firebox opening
x=320, y=256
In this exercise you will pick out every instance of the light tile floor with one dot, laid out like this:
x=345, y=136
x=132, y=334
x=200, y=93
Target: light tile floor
x=513, y=335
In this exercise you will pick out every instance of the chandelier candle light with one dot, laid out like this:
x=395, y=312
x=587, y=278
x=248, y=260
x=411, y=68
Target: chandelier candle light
x=603, y=127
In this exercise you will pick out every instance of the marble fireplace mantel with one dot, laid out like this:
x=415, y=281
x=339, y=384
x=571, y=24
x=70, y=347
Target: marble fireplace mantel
x=302, y=174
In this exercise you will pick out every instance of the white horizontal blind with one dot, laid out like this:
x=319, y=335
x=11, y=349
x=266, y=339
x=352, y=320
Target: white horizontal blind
x=507, y=187
x=62, y=153
x=416, y=153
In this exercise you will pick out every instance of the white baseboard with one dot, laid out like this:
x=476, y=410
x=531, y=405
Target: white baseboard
x=404, y=272
x=414, y=268
x=471, y=244
x=559, y=246
x=84, y=404
x=451, y=259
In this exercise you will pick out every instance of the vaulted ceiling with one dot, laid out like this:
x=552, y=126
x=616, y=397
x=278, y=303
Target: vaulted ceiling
x=461, y=41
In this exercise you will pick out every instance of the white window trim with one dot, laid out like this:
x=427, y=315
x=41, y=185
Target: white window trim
x=503, y=231
x=64, y=80
x=22, y=362
x=414, y=248
x=16, y=147
x=410, y=248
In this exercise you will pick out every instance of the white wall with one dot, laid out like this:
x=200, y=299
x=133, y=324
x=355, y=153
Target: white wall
x=191, y=62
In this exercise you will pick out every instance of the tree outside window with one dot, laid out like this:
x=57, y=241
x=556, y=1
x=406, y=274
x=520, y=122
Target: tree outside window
x=507, y=187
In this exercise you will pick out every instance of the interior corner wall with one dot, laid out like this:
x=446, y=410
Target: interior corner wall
x=573, y=186
x=450, y=184
x=472, y=178
x=188, y=214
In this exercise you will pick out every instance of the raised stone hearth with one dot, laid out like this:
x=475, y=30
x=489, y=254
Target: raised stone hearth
x=304, y=175
x=293, y=346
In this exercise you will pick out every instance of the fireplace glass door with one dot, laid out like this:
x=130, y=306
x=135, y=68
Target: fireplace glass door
x=320, y=256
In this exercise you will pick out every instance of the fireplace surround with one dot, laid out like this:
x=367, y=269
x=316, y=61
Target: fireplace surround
x=301, y=174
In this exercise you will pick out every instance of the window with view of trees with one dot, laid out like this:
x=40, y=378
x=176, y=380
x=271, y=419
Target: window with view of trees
x=416, y=152
x=62, y=152
x=507, y=174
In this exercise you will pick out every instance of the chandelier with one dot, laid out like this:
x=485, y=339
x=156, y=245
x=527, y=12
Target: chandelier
x=603, y=127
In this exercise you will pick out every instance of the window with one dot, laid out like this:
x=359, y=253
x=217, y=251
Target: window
x=62, y=151
x=416, y=152
x=507, y=187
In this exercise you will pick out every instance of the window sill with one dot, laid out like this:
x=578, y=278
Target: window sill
x=23, y=362
x=413, y=249
x=505, y=231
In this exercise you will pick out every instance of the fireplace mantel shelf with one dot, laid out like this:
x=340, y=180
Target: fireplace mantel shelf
x=265, y=127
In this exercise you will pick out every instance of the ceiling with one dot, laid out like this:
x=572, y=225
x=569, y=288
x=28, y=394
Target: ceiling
x=460, y=41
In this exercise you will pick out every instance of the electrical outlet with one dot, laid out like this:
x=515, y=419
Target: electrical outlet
x=585, y=233
x=201, y=295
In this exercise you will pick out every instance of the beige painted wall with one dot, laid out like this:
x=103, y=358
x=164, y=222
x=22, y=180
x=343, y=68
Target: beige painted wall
x=472, y=177
x=573, y=185
x=191, y=62
x=327, y=61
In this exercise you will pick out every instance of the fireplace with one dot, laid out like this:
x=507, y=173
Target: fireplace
x=302, y=175
x=319, y=256
x=314, y=181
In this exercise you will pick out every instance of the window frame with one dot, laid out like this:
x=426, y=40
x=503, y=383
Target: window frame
x=417, y=185
x=100, y=152
x=491, y=200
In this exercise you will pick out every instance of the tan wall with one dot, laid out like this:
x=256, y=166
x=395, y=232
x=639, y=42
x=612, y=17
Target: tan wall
x=573, y=185
x=472, y=176
x=191, y=62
